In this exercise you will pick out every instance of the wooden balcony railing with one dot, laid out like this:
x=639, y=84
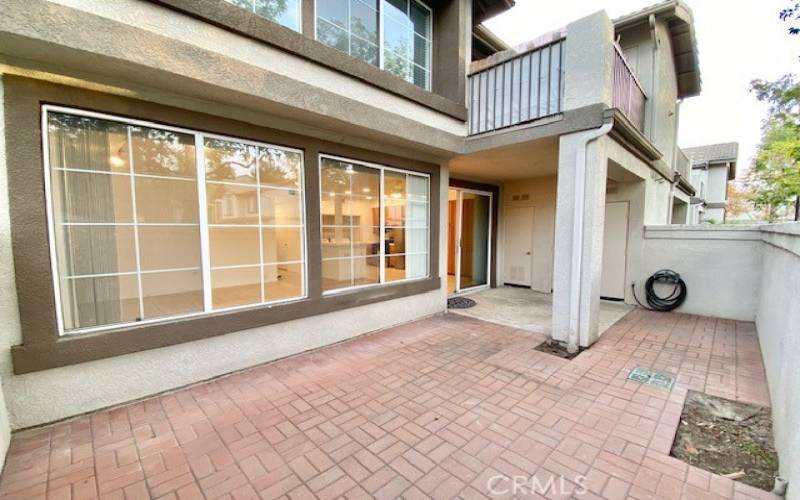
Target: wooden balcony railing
x=629, y=96
x=523, y=88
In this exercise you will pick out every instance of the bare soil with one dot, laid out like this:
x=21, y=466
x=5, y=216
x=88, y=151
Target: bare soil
x=725, y=437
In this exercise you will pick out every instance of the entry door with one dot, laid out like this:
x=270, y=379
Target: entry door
x=615, y=250
x=469, y=239
x=519, y=245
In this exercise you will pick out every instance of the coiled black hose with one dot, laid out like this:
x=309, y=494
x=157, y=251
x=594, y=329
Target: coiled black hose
x=657, y=302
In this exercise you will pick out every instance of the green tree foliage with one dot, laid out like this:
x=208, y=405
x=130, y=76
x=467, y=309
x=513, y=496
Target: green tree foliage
x=774, y=180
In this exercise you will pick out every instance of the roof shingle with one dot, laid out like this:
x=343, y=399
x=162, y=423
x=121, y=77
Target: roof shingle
x=726, y=151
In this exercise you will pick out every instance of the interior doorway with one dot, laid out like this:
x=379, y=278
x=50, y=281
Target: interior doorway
x=469, y=236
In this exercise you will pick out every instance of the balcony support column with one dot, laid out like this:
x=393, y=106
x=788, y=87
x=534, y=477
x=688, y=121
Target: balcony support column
x=580, y=217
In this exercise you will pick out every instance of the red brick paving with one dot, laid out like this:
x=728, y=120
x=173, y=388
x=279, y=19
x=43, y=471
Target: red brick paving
x=438, y=408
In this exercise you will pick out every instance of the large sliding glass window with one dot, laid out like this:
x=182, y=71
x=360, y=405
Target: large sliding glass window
x=394, y=35
x=283, y=12
x=374, y=224
x=151, y=222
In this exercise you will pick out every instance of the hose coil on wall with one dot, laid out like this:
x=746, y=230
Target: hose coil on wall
x=663, y=303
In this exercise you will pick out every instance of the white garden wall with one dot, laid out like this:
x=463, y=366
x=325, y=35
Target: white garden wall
x=749, y=273
x=721, y=266
x=778, y=324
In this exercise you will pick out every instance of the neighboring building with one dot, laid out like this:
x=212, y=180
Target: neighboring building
x=194, y=187
x=713, y=166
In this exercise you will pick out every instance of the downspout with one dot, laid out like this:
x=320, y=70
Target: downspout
x=675, y=176
x=651, y=20
x=577, y=232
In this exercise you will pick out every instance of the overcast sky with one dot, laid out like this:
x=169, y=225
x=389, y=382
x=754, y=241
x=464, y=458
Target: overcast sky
x=738, y=41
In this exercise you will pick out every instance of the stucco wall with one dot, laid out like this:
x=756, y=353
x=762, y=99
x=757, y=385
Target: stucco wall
x=656, y=72
x=140, y=49
x=778, y=324
x=717, y=183
x=542, y=192
x=721, y=266
x=589, y=62
x=746, y=273
x=9, y=316
x=49, y=395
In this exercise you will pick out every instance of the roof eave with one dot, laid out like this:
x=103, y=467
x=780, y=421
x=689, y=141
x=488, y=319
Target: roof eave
x=684, y=42
x=487, y=9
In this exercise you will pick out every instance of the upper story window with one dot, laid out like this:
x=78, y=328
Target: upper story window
x=150, y=222
x=394, y=35
x=283, y=12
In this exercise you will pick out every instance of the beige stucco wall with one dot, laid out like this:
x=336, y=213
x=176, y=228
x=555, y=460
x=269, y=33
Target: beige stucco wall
x=9, y=316
x=656, y=72
x=45, y=396
x=542, y=192
x=140, y=49
x=589, y=61
x=163, y=21
x=49, y=395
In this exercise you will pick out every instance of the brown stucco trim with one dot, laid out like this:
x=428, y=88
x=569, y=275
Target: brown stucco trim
x=447, y=82
x=495, y=190
x=42, y=347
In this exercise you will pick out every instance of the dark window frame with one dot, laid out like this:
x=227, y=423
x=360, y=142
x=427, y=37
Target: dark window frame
x=42, y=347
x=448, y=62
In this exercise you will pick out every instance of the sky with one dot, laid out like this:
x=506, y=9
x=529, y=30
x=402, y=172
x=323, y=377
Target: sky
x=738, y=41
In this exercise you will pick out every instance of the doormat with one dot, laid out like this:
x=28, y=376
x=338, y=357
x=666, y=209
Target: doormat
x=727, y=437
x=460, y=303
x=557, y=349
x=649, y=377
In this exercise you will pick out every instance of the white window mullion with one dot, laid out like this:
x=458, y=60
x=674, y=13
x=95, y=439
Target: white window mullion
x=202, y=217
x=381, y=10
x=260, y=227
x=382, y=211
x=352, y=230
x=135, y=225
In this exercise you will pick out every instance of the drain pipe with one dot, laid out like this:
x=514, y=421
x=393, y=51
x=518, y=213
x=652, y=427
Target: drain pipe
x=651, y=21
x=577, y=232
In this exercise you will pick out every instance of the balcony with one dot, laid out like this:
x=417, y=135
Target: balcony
x=508, y=91
x=628, y=94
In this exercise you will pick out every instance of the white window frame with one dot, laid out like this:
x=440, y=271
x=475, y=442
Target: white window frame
x=429, y=80
x=202, y=222
x=253, y=10
x=382, y=238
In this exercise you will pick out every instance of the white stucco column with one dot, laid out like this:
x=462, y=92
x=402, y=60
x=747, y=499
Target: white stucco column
x=580, y=214
x=589, y=62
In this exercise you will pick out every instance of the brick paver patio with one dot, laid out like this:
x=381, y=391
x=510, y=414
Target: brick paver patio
x=440, y=408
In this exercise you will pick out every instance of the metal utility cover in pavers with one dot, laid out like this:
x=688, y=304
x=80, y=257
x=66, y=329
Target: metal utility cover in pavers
x=430, y=409
x=645, y=376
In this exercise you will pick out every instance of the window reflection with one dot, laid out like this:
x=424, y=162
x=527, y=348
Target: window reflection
x=352, y=26
x=283, y=12
x=115, y=187
x=126, y=221
x=354, y=238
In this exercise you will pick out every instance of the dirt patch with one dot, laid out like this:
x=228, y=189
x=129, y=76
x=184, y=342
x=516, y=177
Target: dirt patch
x=727, y=437
x=557, y=349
